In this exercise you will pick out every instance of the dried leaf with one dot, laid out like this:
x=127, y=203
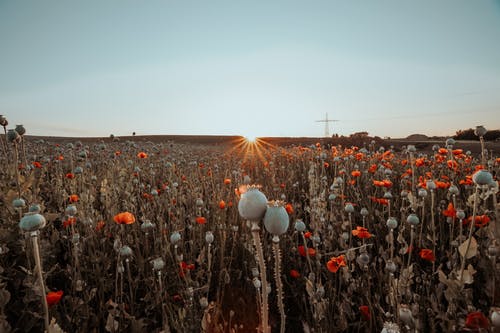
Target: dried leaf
x=471, y=252
x=468, y=275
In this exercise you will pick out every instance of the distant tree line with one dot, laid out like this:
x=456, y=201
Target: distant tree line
x=468, y=134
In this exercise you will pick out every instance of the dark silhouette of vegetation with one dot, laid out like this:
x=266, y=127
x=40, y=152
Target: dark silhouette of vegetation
x=468, y=134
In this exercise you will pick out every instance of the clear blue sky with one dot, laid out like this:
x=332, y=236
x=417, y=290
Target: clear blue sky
x=264, y=68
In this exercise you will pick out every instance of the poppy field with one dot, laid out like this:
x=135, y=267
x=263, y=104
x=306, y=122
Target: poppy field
x=116, y=235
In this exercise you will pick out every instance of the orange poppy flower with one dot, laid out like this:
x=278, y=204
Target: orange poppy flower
x=73, y=198
x=382, y=183
x=450, y=211
x=372, y=168
x=480, y=220
x=334, y=264
x=201, y=220
x=100, y=225
x=53, y=297
x=443, y=151
x=382, y=201
x=452, y=164
x=222, y=204
x=69, y=221
x=326, y=164
x=227, y=181
x=427, y=254
x=294, y=273
x=69, y=175
x=124, y=218
x=419, y=162
x=142, y=155
x=361, y=232
x=466, y=181
x=289, y=208
x=37, y=165
x=356, y=173
x=310, y=251
x=307, y=234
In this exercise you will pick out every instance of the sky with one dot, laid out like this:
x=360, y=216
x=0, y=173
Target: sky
x=252, y=68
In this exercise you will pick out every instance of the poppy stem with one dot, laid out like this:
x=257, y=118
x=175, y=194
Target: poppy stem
x=279, y=285
x=471, y=229
x=38, y=262
x=263, y=278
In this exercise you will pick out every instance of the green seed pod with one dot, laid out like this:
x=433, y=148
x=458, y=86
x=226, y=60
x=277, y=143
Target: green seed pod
x=32, y=222
x=276, y=219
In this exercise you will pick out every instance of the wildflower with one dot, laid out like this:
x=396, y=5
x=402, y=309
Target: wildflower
x=222, y=204
x=70, y=175
x=142, y=155
x=100, y=225
x=466, y=181
x=480, y=220
x=227, y=181
x=294, y=273
x=427, y=254
x=372, y=168
x=450, y=211
x=382, y=183
x=310, y=251
x=201, y=220
x=419, y=162
x=53, y=297
x=356, y=173
x=382, y=201
x=477, y=320
x=365, y=312
x=69, y=221
x=73, y=198
x=37, y=165
x=124, y=218
x=361, y=232
x=289, y=208
x=335, y=263
x=307, y=234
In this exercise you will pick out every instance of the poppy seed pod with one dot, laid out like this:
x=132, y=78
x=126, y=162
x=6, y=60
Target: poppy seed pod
x=3, y=121
x=209, y=237
x=276, y=219
x=13, y=136
x=300, y=226
x=390, y=266
x=482, y=177
x=20, y=129
x=349, y=208
x=460, y=214
x=125, y=251
x=422, y=193
x=413, y=219
x=253, y=204
x=387, y=195
x=364, y=211
x=431, y=186
x=71, y=210
x=158, y=264
x=18, y=203
x=454, y=190
x=147, y=226
x=199, y=202
x=411, y=149
x=495, y=317
x=480, y=131
x=32, y=222
x=392, y=223
x=35, y=208
x=363, y=259
x=175, y=237
x=450, y=142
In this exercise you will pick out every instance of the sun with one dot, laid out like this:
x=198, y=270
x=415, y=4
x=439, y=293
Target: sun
x=250, y=138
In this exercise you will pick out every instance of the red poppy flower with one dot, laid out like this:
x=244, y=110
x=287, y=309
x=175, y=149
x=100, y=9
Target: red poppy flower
x=222, y=204
x=227, y=181
x=100, y=225
x=372, y=168
x=201, y=220
x=361, y=232
x=356, y=173
x=450, y=211
x=382, y=183
x=73, y=198
x=53, y=297
x=294, y=273
x=307, y=234
x=477, y=320
x=69, y=221
x=365, y=312
x=142, y=155
x=289, y=208
x=69, y=175
x=310, y=251
x=124, y=218
x=335, y=263
x=419, y=162
x=480, y=220
x=37, y=165
x=427, y=254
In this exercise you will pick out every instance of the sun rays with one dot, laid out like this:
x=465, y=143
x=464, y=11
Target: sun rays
x=251, y=149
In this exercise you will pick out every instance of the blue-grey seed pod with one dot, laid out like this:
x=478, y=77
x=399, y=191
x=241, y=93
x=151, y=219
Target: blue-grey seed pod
x=19, y=203
x=392, y=223
x=364, y=211
x=349, y=208
x=71, y=210
x=276, y=219
x=480, y=131
x=300, y=226
x=413, y=219
x=482, y=177
x=32, y=222
x=175, y=237
x=20, y=130
x=454, y=190
x=252, y=205
x=13, y=136
x=460, y=214
x=125, y=251
x=450, y=142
